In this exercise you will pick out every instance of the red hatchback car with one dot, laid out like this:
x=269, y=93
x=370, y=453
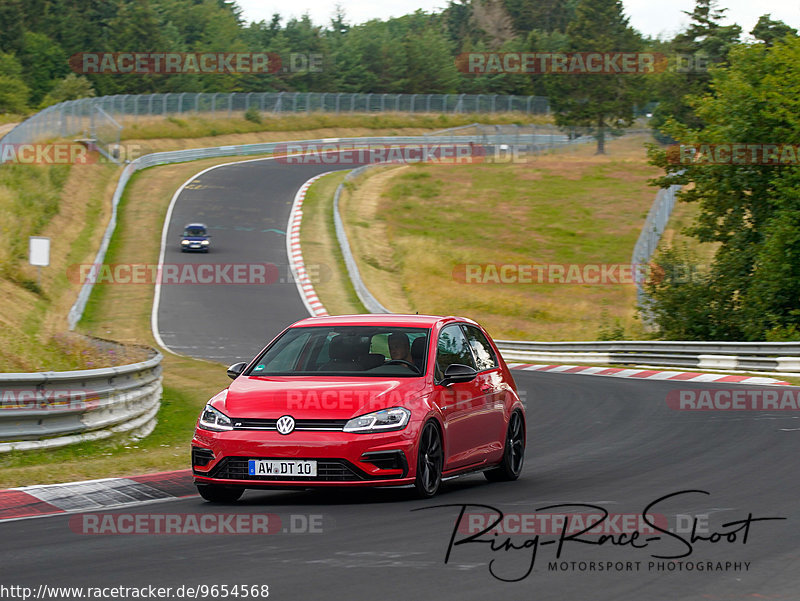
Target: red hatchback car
x=363, y=400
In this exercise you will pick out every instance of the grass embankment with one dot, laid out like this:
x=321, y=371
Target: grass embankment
x=189, y=126
x=412, y=227
x=69, y=205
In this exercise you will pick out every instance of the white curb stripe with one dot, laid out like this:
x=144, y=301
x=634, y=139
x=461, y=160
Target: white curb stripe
x=671, y=376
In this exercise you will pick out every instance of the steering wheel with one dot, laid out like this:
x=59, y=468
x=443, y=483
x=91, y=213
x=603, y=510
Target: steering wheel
x=403, y=362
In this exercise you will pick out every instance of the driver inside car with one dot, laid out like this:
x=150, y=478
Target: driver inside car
x=400, y=348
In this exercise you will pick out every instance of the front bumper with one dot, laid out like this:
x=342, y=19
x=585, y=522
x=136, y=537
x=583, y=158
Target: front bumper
x=343, y=459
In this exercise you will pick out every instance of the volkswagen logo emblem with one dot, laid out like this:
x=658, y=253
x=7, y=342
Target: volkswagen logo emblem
x=285, y=424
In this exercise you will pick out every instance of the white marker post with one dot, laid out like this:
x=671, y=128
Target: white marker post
x=39, y=253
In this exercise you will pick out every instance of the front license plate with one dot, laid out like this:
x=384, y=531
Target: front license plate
x=282, y=467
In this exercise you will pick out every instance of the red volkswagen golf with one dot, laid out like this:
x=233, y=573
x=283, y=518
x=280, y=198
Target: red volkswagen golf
x=363, y=400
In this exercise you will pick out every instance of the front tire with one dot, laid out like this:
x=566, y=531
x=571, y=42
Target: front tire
x=430, y=459
x=219, y=494
x=513, y=455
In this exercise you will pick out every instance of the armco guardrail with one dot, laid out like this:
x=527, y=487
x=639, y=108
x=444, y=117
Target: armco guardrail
x=53, y=409
x=751, y=356
x=371, y=303
x=654, y=226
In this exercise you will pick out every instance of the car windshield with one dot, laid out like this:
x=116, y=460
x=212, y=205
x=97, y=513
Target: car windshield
x=194, y=231
x=347, y=351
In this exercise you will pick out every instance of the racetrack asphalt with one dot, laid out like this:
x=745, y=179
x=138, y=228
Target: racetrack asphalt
x=606, y=442
x=246, y=207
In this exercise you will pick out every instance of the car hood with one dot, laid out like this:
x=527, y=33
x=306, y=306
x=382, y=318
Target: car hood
x=318, y=397
x=195, y=238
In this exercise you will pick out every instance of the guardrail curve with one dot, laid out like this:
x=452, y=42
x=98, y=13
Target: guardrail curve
x=52, y=409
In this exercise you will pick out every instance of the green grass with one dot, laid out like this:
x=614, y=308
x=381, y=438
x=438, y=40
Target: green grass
x=29, y=198
x=89, y=319
x=196, y=126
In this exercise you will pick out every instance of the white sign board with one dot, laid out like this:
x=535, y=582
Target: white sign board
x=39, y=251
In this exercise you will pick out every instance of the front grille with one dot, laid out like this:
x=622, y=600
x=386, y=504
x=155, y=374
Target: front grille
x=328, y=470
x=333, y=425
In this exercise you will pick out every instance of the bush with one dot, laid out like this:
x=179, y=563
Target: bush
x=253, y=115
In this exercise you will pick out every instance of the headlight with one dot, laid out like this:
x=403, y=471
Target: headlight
x=204, y=243
x=213, y=419
x=184, y=242
x=384, y=420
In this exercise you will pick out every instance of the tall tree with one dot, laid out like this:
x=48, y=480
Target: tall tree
x=13, y=91
x=705, y=43
x=769, y=31
x=601, y=102
x=43, y=62
x=544, y=15
x=11, y=26
x=750, y=209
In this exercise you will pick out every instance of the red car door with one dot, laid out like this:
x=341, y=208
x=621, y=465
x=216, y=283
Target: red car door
x=459, y=402
x=491, y=386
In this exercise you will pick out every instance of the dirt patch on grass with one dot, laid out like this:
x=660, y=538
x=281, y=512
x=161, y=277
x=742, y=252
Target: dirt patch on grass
x=6, y=127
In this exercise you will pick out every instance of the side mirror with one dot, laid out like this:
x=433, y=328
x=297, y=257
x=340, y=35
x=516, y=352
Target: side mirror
x=235, y=370
x=458, y=373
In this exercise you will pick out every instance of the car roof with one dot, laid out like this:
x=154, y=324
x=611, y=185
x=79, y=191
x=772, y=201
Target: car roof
x=188, y=225
x=380, y=319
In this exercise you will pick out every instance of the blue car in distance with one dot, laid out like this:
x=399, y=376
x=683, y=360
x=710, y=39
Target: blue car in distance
x=195, y=238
